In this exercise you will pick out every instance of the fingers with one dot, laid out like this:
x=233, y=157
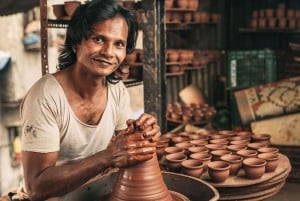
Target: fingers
x=145, y=121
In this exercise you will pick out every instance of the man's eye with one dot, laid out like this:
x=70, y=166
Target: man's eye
x=120, y=44
x=98, y=39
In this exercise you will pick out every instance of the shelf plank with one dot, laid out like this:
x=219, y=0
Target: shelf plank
x=269, y=30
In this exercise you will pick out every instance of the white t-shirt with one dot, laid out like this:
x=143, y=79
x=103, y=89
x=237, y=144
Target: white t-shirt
x=49, y=123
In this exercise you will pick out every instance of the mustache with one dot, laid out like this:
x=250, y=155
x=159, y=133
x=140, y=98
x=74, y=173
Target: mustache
x=104, y=59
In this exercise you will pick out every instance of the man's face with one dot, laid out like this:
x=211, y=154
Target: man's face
x=103, y=52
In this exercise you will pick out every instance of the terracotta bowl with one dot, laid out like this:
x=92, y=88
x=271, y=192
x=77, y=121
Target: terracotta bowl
x=272, y=160
x=217, y=136
x=174, y=161
x=212, y=147
x=70, y=7
x=170, y=135
x=216, y=154
x=236, y=147
x=261, y=138
x=238, y=138
x=229, y=133
x=219, y=141
x=162, y=140
x=268, y=150
x=184, y=145
x=235, y=162
x=256, y=145
x=254, y=167
x=192, y=167
x=197, y=137
x=172, y=150
x=218, y=171
x=247, y=153
x=199, y=142
x=178, y=139
x=59, y=10
x=239, y=142
x=132, y=57
x=202, y=156
x=160, y=150
x=192, y=150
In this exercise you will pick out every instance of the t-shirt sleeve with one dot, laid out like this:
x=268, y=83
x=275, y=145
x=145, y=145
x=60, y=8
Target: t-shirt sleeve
x=40, y=132
x=125, y=111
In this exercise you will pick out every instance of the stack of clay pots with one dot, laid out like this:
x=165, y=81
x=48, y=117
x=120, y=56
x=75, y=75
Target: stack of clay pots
x=280, y=17
x=66, y=10
x=237, y=163
x=194, y=113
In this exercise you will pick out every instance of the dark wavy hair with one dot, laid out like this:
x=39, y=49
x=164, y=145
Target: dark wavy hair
x=80, y=27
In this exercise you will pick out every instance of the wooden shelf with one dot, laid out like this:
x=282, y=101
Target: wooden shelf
x=269, y=30
x=58, y=23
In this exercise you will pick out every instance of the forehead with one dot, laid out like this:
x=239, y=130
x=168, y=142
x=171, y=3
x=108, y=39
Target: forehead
x=116, y=28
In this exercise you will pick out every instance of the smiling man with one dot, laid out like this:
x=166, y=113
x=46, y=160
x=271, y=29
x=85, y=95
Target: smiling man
x=70, y=117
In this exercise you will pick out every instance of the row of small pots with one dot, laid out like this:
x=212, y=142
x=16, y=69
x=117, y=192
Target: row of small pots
x=193, y=154
x=275, y=23
x=279, y=13
x=182, y=4
x=192, y=17
x=190, y=113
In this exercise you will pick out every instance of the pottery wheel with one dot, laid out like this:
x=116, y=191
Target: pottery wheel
x=178, y=196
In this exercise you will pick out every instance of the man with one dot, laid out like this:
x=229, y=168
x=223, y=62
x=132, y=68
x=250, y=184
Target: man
x=70, y=117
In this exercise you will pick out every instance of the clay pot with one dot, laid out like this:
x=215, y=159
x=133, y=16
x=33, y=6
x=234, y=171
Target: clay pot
x=228, y=133
x=193, y=4
x=272, y=22
x=184, y=145
x=219, y=141
x=218, y=171
x=192, y=150
x=125, y=68
x=183, y=4
x=235, y=162
x=280, y=13
x=178, y=139
x=170, y=135
x=169, y=4
x=268, y=150
x=254, y=167
x=131, y=58
x=202, y=156
x=261, y=13
x=216, y=154
x=256, y=145
x=174, y=161
x=292, y=23
x=244, y=133
x=197, y=137
x=239, y=142
x=168, y=16
x=253, y=23
x=143, y=181
x=255, y=14
x=262, y=23
x=197, y=17
x=269, y=12
x=236, y=147
x=59, y=10
x=261, y=138
x=160, y=151
x=247, y=153
x=290, y=13
x=216, y=17
x=70, y=6
x=187, y=17
x=172, y=55
x=172, y=150
x=204, y=17
x=271, y=159
x=199, y=142
x=218, y=136
x=212, y=147
x=282, y=23
x=176, y=17
x=192, y=167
